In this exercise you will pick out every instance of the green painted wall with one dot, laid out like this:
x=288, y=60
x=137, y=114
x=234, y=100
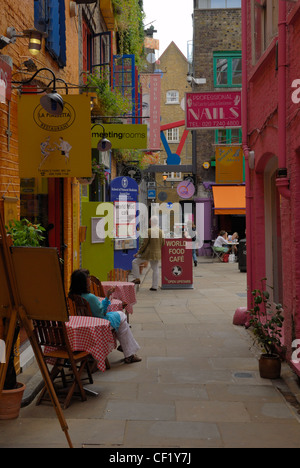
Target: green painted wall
x=97, y=258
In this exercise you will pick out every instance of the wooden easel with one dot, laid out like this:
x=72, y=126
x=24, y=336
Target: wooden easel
x=12, y=308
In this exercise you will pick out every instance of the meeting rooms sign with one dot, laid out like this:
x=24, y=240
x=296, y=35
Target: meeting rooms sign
x=213, y=110
x=121, y=136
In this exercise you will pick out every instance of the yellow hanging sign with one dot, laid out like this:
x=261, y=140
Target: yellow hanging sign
x=229, y=164
x=121, y=136
x=51, y=145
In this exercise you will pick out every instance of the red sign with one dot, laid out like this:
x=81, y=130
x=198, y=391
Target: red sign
x=151, y=86
x=213, y=110
x=5, y=81
x=177, y=264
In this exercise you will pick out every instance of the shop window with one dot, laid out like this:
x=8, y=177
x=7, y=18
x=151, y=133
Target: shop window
x=264, y=25
x=273, y=246
x=227, y=69
x=229, y=136
x=87, y=48
x=177, y=176
x=216, y=4
x=50, y=17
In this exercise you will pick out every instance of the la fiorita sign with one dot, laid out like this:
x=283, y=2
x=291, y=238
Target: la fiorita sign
x=213, y=110
x=177, y=264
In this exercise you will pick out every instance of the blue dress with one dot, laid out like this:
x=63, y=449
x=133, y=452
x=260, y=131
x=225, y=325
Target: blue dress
x=99, y=309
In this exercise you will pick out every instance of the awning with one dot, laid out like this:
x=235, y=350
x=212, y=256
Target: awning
x=229, y=199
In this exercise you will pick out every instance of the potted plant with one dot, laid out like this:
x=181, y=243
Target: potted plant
x=266, y=323
x=99, y=170
x=22, y=233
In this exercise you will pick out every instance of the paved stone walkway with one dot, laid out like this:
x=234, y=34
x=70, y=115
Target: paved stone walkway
x=197, y=386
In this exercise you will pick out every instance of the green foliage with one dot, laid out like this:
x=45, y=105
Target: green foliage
x=25, y=233
x=266, y=323
x=126, y=156
x=130, y=16
x=111, y=101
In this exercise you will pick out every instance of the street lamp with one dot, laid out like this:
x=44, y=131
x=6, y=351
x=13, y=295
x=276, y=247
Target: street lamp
x=104, y=144
x=52, y=102
x=35, y=38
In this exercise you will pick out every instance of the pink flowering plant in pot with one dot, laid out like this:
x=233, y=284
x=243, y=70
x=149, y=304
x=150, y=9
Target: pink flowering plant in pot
x=266, y=322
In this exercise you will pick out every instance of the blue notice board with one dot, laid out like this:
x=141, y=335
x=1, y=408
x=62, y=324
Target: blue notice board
x=124, y=194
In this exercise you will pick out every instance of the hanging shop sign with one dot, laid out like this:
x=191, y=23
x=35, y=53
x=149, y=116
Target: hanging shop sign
x=55, y=145
x=5, y=82
x=176, y=264
x=151, y=86
x=121, y=136
x=229, y=165
x=213, y=110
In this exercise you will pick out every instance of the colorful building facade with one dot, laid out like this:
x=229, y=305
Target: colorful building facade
x=271, y=143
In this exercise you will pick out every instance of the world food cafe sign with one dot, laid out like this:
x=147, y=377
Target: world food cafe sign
x=213, y=110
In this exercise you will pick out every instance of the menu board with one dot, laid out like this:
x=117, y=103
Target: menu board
x=125, y=219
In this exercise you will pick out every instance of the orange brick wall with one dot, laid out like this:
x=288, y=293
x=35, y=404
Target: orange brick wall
x=20, y=15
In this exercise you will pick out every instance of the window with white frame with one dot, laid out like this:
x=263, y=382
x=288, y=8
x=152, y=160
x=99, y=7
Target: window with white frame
x=172, y=97
x=174, y=175
x=172, y=135
x=214, y=4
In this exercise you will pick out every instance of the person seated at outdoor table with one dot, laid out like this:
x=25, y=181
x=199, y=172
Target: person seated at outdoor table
x=234, y=238
x=220, y=243
x=80, y=285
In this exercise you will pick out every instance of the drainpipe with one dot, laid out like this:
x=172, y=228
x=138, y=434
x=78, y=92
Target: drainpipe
x=249, y=195
x=282, y=181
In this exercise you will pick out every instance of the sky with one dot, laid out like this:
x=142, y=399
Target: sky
x=173, y=21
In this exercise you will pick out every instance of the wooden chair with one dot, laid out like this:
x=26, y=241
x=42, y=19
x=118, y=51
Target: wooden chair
x=97, y=289
x=117, y=274
x=96, y=286
x=80, y=307
x=53, y=334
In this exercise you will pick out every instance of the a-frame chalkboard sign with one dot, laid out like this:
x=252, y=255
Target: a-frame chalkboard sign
x=31, y=287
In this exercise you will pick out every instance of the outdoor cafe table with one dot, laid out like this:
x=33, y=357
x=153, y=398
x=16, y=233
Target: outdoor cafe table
x=125, y=291
x=92, y=335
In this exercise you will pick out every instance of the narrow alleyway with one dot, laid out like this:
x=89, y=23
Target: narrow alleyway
x=197, y=386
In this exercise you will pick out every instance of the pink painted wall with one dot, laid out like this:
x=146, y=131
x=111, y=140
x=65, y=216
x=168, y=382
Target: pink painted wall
x=263, y=130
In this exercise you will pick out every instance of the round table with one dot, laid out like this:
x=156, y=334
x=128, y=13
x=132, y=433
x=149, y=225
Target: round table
x=125, y=291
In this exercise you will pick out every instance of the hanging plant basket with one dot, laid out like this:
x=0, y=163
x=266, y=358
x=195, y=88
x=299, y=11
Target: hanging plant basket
x=86, y=180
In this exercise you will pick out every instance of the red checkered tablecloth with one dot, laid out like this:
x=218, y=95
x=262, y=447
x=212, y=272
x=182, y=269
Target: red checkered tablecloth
x=125, y=291
x=92, y=335
x=115, y=305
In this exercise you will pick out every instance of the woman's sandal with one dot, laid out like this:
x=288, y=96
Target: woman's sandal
x=133, y=358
